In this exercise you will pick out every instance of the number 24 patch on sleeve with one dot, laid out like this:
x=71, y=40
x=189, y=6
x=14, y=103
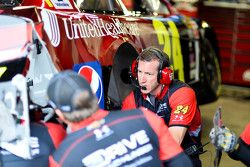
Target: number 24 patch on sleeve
x=181, y=109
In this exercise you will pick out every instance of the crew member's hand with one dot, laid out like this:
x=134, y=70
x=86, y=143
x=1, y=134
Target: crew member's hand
x=224, y=139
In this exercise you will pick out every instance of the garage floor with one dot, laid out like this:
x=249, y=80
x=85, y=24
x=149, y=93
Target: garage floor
x=235, y=103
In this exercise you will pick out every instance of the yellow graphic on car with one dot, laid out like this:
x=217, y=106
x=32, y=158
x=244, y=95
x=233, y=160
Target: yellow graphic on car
x=163, y=36
x=173, y=49
x=2, y=71
x=49, y=3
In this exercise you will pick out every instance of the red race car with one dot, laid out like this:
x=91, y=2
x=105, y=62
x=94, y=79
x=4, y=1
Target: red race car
x=99, y=39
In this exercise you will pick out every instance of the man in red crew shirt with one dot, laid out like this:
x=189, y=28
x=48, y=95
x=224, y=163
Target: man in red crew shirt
x=169, y=98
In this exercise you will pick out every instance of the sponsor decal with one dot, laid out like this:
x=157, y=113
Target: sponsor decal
x=178, y=118
x=135, y=149
x=93, y=73
x=96, y=27
x=51, y=27
x=170, y=39
x=93, y=26
x=49, y=3
x=181, y=109
x=102, y=132
x=61, y=4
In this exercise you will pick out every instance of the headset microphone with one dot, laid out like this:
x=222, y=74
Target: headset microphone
x=134, y=82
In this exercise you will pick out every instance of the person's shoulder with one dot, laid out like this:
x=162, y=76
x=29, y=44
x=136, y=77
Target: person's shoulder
x=183, y=94
x=185, y=91
x=181, y=83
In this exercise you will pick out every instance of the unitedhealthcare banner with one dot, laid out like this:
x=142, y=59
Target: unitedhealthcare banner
x=92, y=71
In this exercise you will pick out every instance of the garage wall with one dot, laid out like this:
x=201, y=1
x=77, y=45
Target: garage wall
x=232, y=25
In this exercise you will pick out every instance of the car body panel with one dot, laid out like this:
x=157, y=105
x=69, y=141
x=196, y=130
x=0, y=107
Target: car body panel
x=72, y=38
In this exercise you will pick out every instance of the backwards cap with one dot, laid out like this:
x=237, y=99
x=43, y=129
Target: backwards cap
x=64, y=87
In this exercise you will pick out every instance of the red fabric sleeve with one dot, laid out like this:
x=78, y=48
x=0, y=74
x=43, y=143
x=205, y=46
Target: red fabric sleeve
x=57, y=133
x=184, y=107
x=52, y=162
x=168, y=146
x=245, y=135
x=129, y=102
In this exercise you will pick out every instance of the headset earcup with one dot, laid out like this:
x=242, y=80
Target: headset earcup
x=165, y=76
x=133, y=69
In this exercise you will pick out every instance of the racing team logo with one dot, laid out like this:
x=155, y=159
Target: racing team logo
x=93, y=73
x=61, y=4
x=51, y=27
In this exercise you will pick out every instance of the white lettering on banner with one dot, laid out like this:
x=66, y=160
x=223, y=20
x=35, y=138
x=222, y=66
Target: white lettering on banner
x=51, y=27
x=127, y=150
x=97, y=28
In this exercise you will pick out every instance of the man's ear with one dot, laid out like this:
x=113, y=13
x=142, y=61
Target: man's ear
x=60, y=115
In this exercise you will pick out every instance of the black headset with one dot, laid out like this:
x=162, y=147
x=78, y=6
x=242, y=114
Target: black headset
x=165, y=72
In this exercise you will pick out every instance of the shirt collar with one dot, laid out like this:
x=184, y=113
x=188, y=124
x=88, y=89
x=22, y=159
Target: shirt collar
x=95, y=117
x=159, y=96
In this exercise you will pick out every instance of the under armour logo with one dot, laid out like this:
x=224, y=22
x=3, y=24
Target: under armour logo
x=102, y=132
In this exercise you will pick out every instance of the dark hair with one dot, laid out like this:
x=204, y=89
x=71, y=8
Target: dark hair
x=151, y=53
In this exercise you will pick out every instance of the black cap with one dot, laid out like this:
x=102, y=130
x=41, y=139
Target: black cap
x=64, y=87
